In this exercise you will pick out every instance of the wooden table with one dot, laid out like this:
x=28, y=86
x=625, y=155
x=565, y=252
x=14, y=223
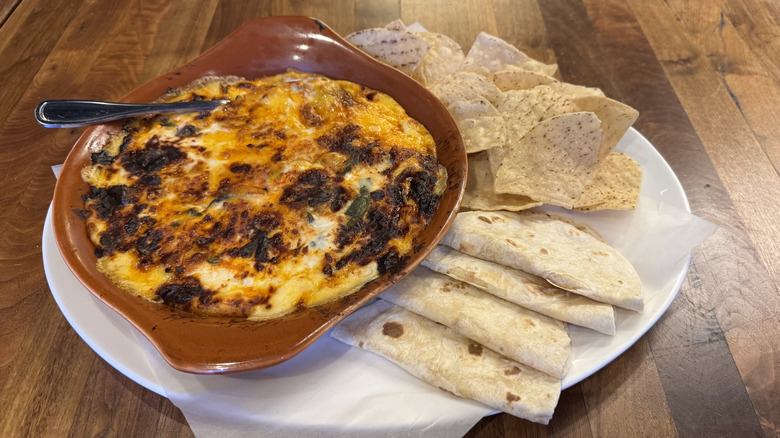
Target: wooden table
x=705, y=76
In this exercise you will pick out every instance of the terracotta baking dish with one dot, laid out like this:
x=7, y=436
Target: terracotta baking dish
x=262, y=47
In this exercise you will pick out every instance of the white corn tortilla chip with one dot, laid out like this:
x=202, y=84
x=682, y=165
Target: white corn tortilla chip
x=524, y=109
x=615, y=118
x=573, y=91
x=464, y=85
x=489, y=53
x=555, y=250
x=396, y=25
x=399, y=48
x=554, y=162
x=522, y=288
x=472, y=109
x=442, y=59
x=616, y=186
x=451, y=362
x=416, y=27
x=480, y=124
x=480, y=195
x=518, y=79
x=520, y=334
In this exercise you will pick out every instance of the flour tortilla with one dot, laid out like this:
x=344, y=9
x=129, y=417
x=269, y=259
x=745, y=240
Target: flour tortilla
x=522, y=288
x=520, y=334
x=555, y=250
x=479, y=194
x=451, y=362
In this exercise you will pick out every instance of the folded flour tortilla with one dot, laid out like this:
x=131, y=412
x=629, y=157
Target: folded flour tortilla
x=519, y=334
x=553, y=249
x=454, y=363
x=524, y=289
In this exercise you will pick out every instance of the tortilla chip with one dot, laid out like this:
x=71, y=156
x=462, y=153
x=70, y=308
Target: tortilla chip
x=555, y=162
x=396, y=25
x=489, y=54
x=574, y=91
x=518, y=79
x=464, y=85
x=399, y=48
x=615, y=187
x=523, y=109
x=615, y=118
x=442, y=59
x=480, y=123
x=482, y=133
x=416, y=27
x=472, y=109
x=480, y=195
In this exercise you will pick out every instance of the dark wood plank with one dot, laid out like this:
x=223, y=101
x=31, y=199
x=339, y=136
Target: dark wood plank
x=26, y=38
x=744, y=282
x=632, y=379
x=27, y=195
x=522, y=25
x=41, y=395
x=7, y=7
x=93, y=59
x=371, y=13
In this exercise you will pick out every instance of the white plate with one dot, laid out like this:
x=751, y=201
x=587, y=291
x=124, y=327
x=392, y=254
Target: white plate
x=116, y=341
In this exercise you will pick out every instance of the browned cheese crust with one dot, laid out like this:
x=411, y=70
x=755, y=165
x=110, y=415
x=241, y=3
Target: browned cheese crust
x=300, y=190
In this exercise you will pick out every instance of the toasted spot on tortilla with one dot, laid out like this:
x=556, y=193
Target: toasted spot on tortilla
x=543, y=251
x=467, y=247
x=510, y=398
x=475, y=349
x=512, y=371
x=393, y=329
x=484, y=219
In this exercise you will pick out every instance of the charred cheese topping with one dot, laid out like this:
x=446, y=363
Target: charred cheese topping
x=300, y=190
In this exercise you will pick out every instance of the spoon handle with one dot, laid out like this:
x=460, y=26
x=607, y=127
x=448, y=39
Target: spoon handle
x=70, y=113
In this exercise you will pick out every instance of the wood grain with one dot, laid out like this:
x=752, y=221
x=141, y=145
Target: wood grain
x=705, y=76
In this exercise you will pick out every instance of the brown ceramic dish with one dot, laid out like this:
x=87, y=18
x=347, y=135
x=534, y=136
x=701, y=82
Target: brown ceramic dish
x=262, y=47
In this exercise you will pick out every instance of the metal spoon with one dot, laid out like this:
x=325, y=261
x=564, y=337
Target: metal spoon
x=70, y=113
